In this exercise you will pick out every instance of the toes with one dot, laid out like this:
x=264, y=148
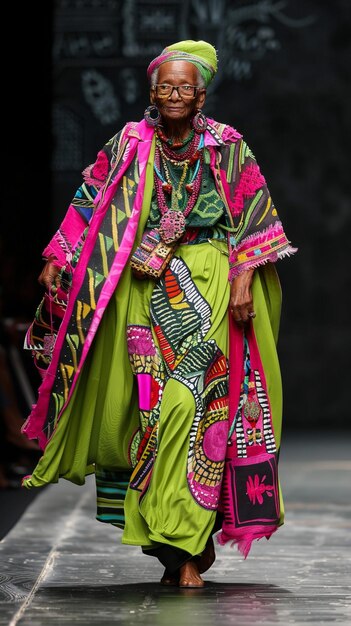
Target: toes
x=190, y=576
x=193, y=584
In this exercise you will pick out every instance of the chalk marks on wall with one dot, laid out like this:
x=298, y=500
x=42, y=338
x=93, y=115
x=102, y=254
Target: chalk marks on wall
x=149, y=25
x=99, y=94
x=244, y=32
x=67, y=154
x=102, y=47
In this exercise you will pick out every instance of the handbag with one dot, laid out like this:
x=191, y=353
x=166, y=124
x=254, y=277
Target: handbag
x=41, y=335
x=250, y=500
x=152, y=256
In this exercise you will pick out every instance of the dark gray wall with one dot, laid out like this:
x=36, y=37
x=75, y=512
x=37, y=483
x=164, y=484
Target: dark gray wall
x=284, y=83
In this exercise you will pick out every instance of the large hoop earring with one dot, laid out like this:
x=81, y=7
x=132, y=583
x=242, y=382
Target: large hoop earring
x=199, y=122
x=152, y=115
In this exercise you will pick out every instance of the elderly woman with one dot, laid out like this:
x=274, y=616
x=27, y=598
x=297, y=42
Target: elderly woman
x=156, y=335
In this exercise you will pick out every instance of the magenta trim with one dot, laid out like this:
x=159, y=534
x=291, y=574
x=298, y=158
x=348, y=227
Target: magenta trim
x=229, y=134
x=121, y=257
x=243, y=537
x=243, y=540
x=34, y=424
x=144, y=389
x=236, y=364
x=256, y=361
x=66, y=237
x=257, y=261
x=259, y=250
x=209, y=139
x=256, y=239
x=155, y=63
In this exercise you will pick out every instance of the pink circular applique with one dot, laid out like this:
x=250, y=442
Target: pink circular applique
x=215, y=441
x=205, y=495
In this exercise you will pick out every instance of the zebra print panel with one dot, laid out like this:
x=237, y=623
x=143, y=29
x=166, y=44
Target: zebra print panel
x=267, y=421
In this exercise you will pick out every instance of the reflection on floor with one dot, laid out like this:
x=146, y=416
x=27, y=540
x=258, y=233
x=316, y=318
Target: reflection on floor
x=60, y=566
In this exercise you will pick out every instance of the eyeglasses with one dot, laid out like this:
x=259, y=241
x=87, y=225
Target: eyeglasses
x=184, y=91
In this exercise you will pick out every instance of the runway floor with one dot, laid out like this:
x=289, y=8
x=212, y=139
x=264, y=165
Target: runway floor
x=60, y=566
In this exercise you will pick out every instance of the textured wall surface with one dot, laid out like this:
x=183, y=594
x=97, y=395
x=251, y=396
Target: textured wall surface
x=283, y=82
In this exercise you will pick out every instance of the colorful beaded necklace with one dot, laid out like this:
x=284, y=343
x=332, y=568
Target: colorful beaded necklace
x=174, y=144
x=172, y=223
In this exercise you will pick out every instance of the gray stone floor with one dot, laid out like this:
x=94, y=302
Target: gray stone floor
x=60, y=566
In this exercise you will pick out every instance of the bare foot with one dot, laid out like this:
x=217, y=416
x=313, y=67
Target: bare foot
x=190, y=575
x=207, y=558
x=169, y=579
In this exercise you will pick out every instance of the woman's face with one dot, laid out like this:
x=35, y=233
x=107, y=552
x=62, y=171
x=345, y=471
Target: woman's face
x=174, y=108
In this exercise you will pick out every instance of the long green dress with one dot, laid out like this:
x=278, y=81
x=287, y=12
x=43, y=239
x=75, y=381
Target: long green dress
x=167, y=353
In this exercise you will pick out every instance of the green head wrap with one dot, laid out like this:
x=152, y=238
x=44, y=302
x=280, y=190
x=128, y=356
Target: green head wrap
x=200, y=53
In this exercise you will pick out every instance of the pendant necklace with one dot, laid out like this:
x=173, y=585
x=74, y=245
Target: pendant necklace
x=172, y=223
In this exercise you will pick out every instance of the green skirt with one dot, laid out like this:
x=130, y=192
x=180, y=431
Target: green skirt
x=149, y=414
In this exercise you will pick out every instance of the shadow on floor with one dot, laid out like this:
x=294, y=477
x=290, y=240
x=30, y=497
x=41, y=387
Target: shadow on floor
x=154, y=604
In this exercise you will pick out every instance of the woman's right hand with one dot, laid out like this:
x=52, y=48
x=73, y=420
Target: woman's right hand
x=49, y=276
x=241, y=302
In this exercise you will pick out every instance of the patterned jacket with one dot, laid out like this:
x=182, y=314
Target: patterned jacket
x=98, y=234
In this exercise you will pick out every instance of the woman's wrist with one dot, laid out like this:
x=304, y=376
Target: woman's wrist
x=244, y=278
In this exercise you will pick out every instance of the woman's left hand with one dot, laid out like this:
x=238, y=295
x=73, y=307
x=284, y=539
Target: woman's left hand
x=241, y=303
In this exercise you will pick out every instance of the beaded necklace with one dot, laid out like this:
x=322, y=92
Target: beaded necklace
x=172, y=223
x=175, y=187
x=174, y=144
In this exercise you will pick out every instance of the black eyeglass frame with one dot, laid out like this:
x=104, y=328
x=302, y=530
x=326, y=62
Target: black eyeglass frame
x=177, y=87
